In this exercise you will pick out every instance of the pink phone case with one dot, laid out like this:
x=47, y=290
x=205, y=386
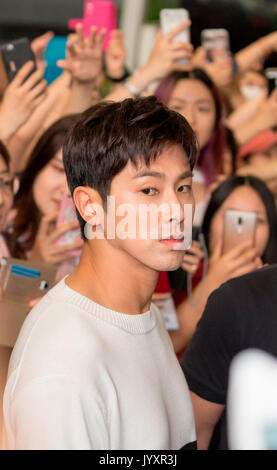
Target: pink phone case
x=97, y=13
x=67, y=214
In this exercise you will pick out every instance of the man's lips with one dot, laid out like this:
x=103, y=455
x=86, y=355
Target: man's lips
x=173, y=238
x=172, y=242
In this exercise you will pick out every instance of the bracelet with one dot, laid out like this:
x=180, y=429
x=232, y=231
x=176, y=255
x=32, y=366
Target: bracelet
x=120, y=79
x=132, y=90
x=125, y=75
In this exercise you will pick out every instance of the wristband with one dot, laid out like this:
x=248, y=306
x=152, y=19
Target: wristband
x=125, y=75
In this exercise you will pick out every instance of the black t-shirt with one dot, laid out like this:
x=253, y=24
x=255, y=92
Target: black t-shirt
x=241, y=314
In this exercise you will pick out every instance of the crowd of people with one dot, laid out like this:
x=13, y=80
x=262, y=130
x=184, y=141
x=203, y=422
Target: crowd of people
x=113, y=380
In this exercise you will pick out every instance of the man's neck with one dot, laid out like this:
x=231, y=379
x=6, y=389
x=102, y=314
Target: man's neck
x=113, y=279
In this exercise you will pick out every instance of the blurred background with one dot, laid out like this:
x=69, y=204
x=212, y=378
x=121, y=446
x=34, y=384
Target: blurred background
x=246, y=20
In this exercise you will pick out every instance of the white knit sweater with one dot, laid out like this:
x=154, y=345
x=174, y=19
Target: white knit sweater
x=83, y=376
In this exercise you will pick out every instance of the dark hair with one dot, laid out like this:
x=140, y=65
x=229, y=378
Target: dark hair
x=28, y=216
x=211, y=156
x=223, y=192
x=5, y=154
x=232, y=145
x=109, y=134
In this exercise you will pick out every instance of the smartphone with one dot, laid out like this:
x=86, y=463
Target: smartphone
x=239, y=226
x=67, y=215
x=14, y=55
x=271, y=75
x=102, y=14
x=215, y=39
x=12, y=316
x=170, y=18
x=22, y=281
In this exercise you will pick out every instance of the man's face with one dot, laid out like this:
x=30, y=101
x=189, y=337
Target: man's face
x=167, y=180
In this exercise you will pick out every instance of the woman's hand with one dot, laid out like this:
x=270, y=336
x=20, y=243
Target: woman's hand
x=39, y=45
x=116, y=54
x=192, y=258
x=165, y=54
x=267, y=112
x=45, y=248
x=220, y=69
x=240, y=260
x=21, y=98
x=84, y=55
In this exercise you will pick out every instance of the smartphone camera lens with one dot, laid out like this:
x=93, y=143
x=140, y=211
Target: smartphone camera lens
x=43, y=285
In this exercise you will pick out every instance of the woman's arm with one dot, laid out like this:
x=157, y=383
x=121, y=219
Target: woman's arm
x=265, y=118
x=258, y=50
x=161, y=62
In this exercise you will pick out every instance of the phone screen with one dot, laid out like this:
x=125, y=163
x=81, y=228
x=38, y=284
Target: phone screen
x=215, y=40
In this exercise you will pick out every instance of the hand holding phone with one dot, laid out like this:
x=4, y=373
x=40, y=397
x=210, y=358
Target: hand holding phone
x=240, y=260
x=216, y=43
x=239, y=226
x=45, y=247
x=21, y=98
x=67, y=218
x=170, y=19
x=15, y=54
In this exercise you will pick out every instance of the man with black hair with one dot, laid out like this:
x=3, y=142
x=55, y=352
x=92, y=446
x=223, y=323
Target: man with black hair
x=94, y=367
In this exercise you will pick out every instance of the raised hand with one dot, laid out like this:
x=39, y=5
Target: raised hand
x=84, y=55
x=240, y=260
x=45, y=248
x=165, y=54
x=115, y=55
x=38, y=46
x=21, y=98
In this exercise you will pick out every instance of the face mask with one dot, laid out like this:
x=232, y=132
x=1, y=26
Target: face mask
x=249, y=91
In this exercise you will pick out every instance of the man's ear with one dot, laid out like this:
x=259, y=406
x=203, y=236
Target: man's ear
x=89, y=204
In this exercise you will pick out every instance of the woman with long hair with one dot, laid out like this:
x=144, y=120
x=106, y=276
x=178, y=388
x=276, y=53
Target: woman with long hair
x=6, y=195
x=43, y=185
x=194, y=95
x=242, y=193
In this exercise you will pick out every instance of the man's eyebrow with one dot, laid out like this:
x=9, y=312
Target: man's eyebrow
x=186, y=174
x=4, y=172
x=156, y=174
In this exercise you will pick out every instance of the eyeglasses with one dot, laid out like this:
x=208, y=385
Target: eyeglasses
x=6, y=185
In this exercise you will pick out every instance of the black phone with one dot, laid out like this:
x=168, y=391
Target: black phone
x=15, y=54
x=271, y=75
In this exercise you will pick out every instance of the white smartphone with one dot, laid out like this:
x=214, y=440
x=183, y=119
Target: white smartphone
x=215, y=39
x=170, y=18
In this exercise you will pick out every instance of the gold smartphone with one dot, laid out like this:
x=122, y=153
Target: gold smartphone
x=239, y=226
x=20, y=282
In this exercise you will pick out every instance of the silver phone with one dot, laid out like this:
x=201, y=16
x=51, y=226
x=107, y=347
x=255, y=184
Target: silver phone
x=170, y=18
